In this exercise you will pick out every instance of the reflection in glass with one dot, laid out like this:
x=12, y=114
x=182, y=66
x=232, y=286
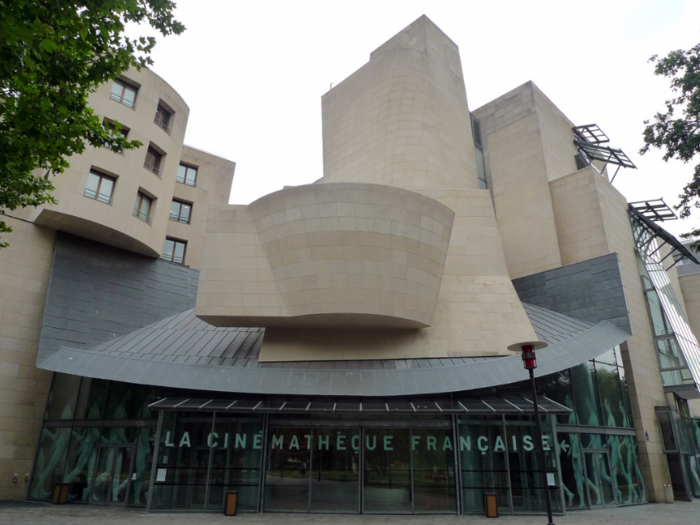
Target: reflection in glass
x=80, y=463
x=387, y=472
x=63, y=396
x=287, y=474
x=628, y=471
x=571, y=461
x=139, y=493
x=433, y=470
x=585, y=394
x=112, y=475
x=610, y=392
x=124, y=400
x=335, y=470
x=50, y=459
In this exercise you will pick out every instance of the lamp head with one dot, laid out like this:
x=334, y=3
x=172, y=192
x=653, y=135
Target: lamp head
x=527, y=349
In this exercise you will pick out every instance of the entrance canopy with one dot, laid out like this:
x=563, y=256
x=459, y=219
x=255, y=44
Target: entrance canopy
x=511, y=404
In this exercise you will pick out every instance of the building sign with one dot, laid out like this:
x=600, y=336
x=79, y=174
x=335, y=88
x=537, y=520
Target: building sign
x=345, y=442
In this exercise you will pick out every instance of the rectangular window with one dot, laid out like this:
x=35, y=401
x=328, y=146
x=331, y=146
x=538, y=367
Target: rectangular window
x=142, y=209
x=111, y=128
x=123, y=93
x=153, y=159
x=186, y=175
x=163, y=118
x=99, y=187
x=180, y=211
x=174, y=251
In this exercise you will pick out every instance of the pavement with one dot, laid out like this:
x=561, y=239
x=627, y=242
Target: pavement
x=29, y=513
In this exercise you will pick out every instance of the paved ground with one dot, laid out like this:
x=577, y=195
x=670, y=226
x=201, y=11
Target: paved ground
x=679, y=513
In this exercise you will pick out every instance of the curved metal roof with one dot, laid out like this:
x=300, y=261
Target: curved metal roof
x=183, y=351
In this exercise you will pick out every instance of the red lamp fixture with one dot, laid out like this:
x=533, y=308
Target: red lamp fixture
x=528, y=352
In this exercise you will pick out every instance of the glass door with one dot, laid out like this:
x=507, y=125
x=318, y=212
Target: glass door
x=599, y=482
x=387, y=473
x=112, y=475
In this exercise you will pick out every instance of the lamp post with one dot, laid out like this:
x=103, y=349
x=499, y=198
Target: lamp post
x=527, y=349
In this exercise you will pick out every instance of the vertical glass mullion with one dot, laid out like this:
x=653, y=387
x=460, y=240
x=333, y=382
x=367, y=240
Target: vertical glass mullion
x=457, y=464
x=412, y=493
x=263, y=467
x=310, y=471
x=209, y=463
x=510, y=485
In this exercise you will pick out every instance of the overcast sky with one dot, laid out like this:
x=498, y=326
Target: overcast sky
x=253, y=73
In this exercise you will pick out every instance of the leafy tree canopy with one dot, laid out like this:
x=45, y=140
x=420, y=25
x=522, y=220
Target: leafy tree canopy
x=53, y=54
x=677, y=130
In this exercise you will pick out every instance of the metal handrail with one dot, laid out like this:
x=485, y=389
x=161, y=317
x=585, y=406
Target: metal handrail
x=121, y=100
x=152, y=168
x=97, y=196
x=162, y=124
x=144, y=217
x=178, y=218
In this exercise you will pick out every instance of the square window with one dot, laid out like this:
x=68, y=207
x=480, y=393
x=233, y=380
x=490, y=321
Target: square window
x=180, y=211
x=163, y=118
x=142, y=209
x=153, y=160
x=123, y=93
x=99, y=187
x=174, y=250
x=186, y=175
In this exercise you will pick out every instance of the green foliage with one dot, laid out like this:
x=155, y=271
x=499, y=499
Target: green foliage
x=677, y=130
x=53, y=54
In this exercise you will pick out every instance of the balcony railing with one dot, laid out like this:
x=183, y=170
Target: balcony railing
x=107, y=199
x=122, y=100
x=152, y=167
x=143, y=216
x=106, y=146
x=178, y=218
x=162, y=125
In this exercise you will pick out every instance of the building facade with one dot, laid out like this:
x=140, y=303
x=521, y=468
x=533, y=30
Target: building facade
x=342, y=346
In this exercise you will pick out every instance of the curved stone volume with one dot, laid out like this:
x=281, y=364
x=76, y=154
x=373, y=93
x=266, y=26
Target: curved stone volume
x=342, y=254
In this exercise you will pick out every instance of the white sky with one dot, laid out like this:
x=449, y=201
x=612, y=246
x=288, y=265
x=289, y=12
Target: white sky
x=253, y=73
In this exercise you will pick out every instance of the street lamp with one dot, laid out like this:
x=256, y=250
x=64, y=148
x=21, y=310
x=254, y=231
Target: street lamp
x=527, y=349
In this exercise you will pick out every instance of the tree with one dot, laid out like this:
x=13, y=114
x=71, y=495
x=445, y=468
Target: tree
x=677, y=130
x=53, y=54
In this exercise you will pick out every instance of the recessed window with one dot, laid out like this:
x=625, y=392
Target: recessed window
x=163, y=118
x=186, y=175
x=174, y=250
x=99, y=187
x=142, y=209
x=153, y=160
x=111, y=128
x=180, y=211
x=124, y=93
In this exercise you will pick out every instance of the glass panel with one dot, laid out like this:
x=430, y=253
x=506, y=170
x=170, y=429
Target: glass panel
x=288, y=464
x=571, y=462
x=117, y=90
x=606, y=481
x=124, y=401
x=179, y=255
x=610, y=392
x=168, y=249
x=183, y=461
x=557, y=387
x=433, y=471
x=63, y=397
x=236, y=445
x=669, y=439
x=387, y=472
x=480, y=168
x=628, y=472
x=50, y=460
x=181, y=171
x=191, y=176
x=93, y=182
x=336, y=470
x=694, y=475
x=482, y=446
x=139, y=493
x=91, y=402
x=122, y=474
x=106, y=187
x=586, y=394
x=129, y=96
x=185, y=213
x=80, y=463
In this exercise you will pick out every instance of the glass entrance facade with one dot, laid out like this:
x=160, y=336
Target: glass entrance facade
x=114, y=446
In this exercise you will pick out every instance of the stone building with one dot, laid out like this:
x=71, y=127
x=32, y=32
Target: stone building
x=342, y=346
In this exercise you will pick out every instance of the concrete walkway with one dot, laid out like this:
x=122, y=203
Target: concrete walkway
x=679, y=513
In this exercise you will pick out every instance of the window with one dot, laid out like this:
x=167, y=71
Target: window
x=123, y=132
x=99, y=187
x=152, y=162
x=174, y=251
x=186, y=175
x=142, y=209
x=180, y=211
x=163, y=118
x=124, y=93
